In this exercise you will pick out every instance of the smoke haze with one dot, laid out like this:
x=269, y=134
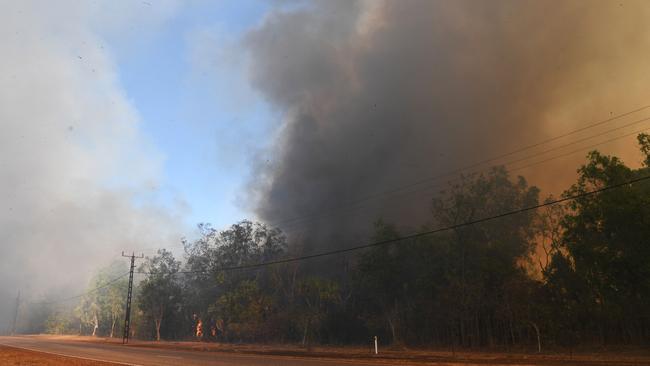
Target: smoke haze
x=374, y=95
x=67, y=132
x=381, y=94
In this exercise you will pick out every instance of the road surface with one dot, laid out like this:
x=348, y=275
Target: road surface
x=130, y=355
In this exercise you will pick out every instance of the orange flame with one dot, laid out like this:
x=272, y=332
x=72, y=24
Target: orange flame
x=199, y=328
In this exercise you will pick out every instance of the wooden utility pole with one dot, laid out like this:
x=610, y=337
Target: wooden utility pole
x=127, y=312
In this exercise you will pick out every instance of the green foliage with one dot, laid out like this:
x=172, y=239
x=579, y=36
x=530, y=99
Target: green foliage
x=209, y=290
x=644, y=144
x=61, y=321
x=99, y=311
x=602, y=274
x=243, y=311
x=316, y=296
x=461, y=287
x=160, y=292
x=467, y=287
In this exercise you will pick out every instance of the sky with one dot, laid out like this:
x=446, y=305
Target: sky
x=188, y=84
x=124, y=125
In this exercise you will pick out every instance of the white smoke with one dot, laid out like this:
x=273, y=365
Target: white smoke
x=72, y=157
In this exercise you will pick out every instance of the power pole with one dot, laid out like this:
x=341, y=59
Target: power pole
x=13, y=329
x=127, y=312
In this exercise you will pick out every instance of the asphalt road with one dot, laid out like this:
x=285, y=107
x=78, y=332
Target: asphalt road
x=130, y=355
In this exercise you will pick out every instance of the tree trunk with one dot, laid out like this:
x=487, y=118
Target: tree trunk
x=488, y=332
x=391, y=324
x=463, y=337
x=304, y=334
x=539, y=341
x=512, y=331
x=158, y=329
x=96, y=324
x=452, y=336
x=113, y=325
x=158, y=321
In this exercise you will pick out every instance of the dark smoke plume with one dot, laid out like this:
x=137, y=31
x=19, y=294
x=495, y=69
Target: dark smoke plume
x=378, y=95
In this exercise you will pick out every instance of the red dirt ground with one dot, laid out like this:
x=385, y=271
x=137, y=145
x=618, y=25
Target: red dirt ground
x=617, y=356
x=16, y=356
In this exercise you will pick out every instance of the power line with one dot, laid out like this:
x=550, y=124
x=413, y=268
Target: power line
x=421, y=234
x=582, y=140
x=359, y=209
x=404, y=191
x=581, y=149
x=470, y=166
x=426, y=188
x=83, y=294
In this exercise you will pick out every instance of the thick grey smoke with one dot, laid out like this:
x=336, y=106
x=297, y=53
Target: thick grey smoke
x=378, y=95
x=72, y=160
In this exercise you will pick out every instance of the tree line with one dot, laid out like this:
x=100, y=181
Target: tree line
x=561, y=276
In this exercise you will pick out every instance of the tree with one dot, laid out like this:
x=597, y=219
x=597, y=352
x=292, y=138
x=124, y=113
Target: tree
x=115, y=303
x=241, y=244
x=462, y=286
x=243, y=311
x=88, y=312
x=485, y=259
x=316, y=295
x=60, y=321
x=382, y=278
x=550, y=232
x=606, y=255
x=160, y=292
x=470, y=286
x=110, y=299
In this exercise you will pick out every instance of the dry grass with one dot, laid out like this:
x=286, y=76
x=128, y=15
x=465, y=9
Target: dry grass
x=17, y=356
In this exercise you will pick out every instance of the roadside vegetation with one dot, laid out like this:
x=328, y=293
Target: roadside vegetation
x=562, y=276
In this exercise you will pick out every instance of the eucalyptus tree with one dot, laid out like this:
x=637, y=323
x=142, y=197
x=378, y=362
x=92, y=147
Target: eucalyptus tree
x=160, y=291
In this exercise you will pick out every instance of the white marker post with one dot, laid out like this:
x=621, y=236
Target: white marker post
x=376, y=349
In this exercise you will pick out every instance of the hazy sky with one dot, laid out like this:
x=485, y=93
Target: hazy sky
x=124, y=124
x=187, y=80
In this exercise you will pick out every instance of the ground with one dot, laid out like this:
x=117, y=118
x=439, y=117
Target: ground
x=199, y=353
x=15, y=356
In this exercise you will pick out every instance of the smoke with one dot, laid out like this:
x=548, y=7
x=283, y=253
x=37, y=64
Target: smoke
x=72, y=159
x=378, y=95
